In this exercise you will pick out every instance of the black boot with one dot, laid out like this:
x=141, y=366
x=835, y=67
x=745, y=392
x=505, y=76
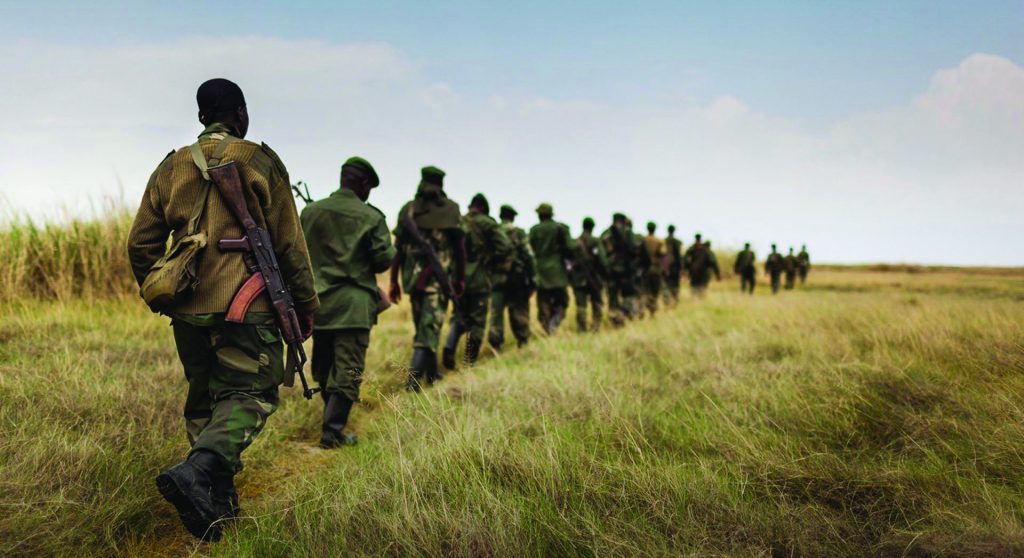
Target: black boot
x=418, y=369
x=187, y=487
x=472, y=351
x=224, y=496
x=335, y=418
x=432, y=370
x=448, y=358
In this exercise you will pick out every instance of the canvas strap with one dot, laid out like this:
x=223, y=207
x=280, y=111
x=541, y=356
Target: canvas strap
x=204, y=166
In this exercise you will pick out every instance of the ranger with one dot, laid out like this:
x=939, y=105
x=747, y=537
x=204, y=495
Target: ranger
x=803, y=260
x=589, y=265
x=773, y=266
x=349, y=244
x=512, y=289
x=487, y=250
x=700, y=262
x=551, y=243
x=790, y=265
x=745, y=267
x=650, y=289
x=637, y=267
x=429, y=231
x=620, y=250
x=233, y=369
x=673, y=266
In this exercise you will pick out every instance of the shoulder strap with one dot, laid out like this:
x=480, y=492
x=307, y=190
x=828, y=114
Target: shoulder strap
x=200, y=160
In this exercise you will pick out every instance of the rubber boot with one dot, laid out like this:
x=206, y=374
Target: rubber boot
x=448, y=354
x=335, y=418
x=187, y=487
x=472, y=351
x=432, y=370
x=224, y=496
x=418, y=368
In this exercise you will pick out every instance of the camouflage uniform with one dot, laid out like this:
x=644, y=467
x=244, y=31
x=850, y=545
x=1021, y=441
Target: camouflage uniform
x=438, y=220
x=790, y=265
x=487, y=249
x=631, y=292
x=620, y=250
x=551, y=245
x=512, y=289
x=773, y=266
x=804, y=262
x=700, y=262
x=673, y=268
x=746, y=268
x=589, y=264
x=651, y=286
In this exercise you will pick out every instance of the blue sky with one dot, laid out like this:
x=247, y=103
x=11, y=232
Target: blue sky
x=874, y=131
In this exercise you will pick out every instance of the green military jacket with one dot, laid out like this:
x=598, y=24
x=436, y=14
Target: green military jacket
x=803, y=259
x=437, y=219
x=172, y=193
x=589, y=260
x=744, y=262
x=700, y=261
x=349, y=244
x=487, y=249
x=790, y=263
x=673, y=255
x=522, y=266
x=551, y=245
x=620, y=250
x=773, y=264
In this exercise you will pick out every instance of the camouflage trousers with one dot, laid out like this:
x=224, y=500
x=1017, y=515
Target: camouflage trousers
x=748, y=280
x=517, y=301
x=474, y=315
x=584, y=295
x=775, y=282
x=617, y=311
x=551, y=307
x=233, y=372
x=339, y=358
x=790, y=279
x=428, y=310
x=670, y=294
x=650, y=291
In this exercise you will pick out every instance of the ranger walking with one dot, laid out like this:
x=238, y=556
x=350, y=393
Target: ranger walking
x=589, y=264
x=551, y=245
x=790, y=265
x=430, y=242
x=618, y=245
x=512, y=289
x=349, y=244
x=746, y=268
x=673, y=266
x=773, y=266
x=233, y=368
x=803, y=260
x=651, y=285
x=700, y=263
x=487, y=250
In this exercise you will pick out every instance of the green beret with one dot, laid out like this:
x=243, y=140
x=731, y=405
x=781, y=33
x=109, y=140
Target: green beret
x=588, y=223
x=432, y=174
x=365, y=166
x=652, y=225
x=507, y=211
x=545, y=209
x=619, y=217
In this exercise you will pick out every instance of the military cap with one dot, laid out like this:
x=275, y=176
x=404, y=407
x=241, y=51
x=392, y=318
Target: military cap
x=588, y=223
x=671, y=228
x=480, y=202
x=507, y=211
x=545, y=209
x=618, y=217
x=651, y=225
x=432, y=174
x=364, y=166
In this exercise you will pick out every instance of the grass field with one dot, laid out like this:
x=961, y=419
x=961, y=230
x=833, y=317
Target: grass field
x=870, y=413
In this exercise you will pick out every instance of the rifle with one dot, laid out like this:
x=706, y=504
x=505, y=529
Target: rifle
x=266, y=273
x=302, y=194
x=406, y=221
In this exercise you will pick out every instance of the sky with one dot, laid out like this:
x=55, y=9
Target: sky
x=870, y=131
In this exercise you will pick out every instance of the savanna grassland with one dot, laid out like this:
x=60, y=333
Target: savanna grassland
x=876, y=411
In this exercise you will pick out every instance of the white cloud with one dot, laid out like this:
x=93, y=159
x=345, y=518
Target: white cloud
x=936, y=180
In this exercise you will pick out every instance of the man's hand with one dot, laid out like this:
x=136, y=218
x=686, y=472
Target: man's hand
x=306, y=325
x=395, y=292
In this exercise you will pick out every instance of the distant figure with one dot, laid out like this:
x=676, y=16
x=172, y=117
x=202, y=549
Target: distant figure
x=673, y=266
x=700, y=263
x=746, y=268
x=438, y=221
x=803, y=260
x=631, y=294
x=487, y=249
x=619, y=248
x=589, y=265
x=773, y=266
x=512, y=289
x=790, y=265
x=651, y=285
x=349, y=244
x=552, y=247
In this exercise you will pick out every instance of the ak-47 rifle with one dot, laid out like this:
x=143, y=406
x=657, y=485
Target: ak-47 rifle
x=266, y=273
x=302, y=194
x=434, y=265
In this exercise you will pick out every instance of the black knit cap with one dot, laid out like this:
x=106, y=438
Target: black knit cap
x=219, y=95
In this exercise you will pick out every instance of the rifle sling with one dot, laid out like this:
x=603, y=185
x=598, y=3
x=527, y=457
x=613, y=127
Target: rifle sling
x=200, y=160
